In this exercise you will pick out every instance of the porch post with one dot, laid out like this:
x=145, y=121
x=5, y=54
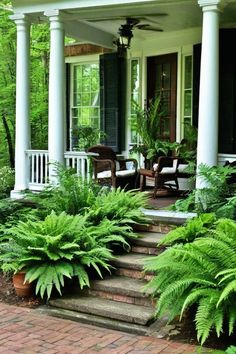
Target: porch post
x=56, y=144
x=22, y=133
x=208, y=120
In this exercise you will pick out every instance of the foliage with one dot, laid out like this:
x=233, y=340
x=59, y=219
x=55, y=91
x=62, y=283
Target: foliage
x=58, y=247
x=87, y=136
x=7, y=86
x=11, y=212
x=217, y=196
x=39, y=84
x=6, y=181
x=200, y=273
x=76, y=196
x=187, y=149
x=123, y=206
x=195, y=227
x=71, y=195
x=148, y=126
x=231, y=350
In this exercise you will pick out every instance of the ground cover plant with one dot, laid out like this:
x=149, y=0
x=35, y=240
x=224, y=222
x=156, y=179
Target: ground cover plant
x=199, y=275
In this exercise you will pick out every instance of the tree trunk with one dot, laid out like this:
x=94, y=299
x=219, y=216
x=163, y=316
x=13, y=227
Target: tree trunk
x=9, y=141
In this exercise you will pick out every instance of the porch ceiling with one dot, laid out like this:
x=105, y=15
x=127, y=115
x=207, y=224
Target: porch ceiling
x=86, y=20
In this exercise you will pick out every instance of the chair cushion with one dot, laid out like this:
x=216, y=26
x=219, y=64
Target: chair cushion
x=124, y=173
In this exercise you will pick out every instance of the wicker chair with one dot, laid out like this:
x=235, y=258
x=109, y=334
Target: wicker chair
x=108, y=169
x=164, y=174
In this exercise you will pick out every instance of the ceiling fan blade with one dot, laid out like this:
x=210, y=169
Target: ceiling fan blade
x=133, y=17
x=147, y=27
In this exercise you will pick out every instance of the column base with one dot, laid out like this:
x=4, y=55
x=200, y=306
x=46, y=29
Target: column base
x=15, y=194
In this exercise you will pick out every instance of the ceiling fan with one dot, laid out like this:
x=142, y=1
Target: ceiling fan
x=135, y=22
x=125, y=32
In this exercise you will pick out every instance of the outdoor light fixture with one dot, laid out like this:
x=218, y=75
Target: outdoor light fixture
x=125, y=35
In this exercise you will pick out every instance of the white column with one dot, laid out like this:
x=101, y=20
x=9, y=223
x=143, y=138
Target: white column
x=208, y=120
x=22, y=134
x=56, y=143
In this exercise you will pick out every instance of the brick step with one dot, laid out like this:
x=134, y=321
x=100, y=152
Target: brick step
x=131, y=265
x=134, y=274
x=119, y=311
x=121, y=289
x=147, y=243
x=130, y=261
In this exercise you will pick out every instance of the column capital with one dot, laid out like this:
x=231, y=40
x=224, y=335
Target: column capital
x=20, y=19
x=55, y=19
x=212, y=5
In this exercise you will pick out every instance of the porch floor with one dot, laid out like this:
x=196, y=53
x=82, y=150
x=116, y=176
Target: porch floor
x=164, y=199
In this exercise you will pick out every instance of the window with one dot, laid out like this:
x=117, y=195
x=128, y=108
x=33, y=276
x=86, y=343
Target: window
x=135, y=97
x=85, y=98
x=187, y=93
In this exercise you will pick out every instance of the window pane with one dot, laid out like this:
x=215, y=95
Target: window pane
x=135, y=96
x=188, y=72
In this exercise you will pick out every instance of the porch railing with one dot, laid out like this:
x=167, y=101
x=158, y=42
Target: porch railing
x=39, y=166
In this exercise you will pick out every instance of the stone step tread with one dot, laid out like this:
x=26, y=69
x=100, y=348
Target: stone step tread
x=168, y=217
x=95, y=320
x=131, y=261
x=121, y=285
x=148, y=239
x=106, y=308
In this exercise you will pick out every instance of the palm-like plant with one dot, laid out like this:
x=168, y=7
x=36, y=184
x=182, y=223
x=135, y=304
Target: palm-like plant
x=202, y=272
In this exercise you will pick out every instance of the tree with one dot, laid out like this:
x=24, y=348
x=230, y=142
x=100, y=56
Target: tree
x=39, y=85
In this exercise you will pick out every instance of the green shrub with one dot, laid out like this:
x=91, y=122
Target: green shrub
x=6, y=181
x=200, y=273
x=58, y=247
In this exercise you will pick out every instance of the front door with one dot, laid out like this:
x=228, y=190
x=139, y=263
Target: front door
x=161, y=82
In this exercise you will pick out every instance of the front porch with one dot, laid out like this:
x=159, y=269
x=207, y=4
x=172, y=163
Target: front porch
x=33, y=169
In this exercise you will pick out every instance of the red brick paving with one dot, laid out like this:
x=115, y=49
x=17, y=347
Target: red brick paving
x=24, y=330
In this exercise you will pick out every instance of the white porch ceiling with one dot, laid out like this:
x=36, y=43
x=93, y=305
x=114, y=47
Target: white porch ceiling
x=95, y=21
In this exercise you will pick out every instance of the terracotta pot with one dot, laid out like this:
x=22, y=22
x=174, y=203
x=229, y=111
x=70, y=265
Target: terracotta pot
x=22, y=289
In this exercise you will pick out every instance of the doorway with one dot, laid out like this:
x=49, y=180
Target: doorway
x=162, y=82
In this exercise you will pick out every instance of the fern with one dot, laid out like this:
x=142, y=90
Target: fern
x=195, y=227
x=58, y=247
x=202, y=273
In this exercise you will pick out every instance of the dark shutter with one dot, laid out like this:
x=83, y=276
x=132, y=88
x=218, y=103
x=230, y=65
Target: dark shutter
x=68, y=106
x=113, y=99
x=196, y=81
x=227, y=92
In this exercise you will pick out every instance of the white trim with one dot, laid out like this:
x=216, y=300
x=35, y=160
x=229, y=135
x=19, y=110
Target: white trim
x=82, y=59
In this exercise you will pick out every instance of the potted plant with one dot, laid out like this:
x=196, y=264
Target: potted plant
x=51, y=250
x=148, y=126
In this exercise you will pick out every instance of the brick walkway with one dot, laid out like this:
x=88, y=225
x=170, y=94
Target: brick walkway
x=24, y=330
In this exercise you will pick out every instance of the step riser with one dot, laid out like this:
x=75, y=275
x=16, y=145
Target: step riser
x=160, y=228
x=146, y=250
x=131, y=273
x=147, y=302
